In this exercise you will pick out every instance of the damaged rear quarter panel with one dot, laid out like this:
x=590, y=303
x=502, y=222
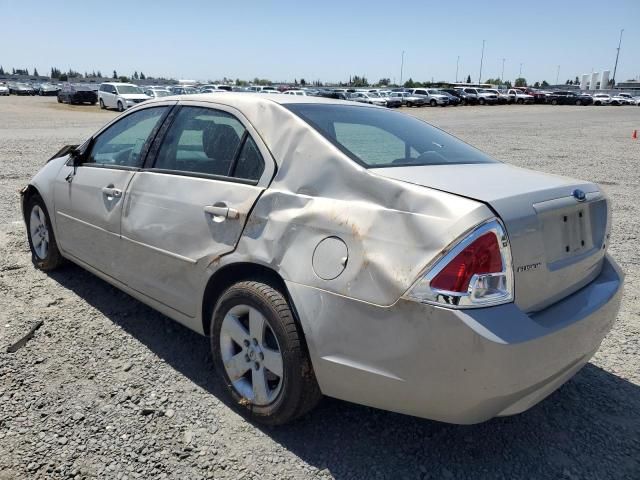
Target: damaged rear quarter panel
x=392, y=229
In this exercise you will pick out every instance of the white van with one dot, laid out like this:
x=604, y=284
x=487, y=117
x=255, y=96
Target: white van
x=120, y=95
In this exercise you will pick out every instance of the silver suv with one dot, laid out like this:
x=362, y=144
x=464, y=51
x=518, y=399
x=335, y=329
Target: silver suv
x=432, y=96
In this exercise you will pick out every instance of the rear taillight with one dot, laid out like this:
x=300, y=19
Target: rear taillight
x=474, y=271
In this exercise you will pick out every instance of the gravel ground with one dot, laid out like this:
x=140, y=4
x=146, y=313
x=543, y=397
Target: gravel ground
x=108, y=388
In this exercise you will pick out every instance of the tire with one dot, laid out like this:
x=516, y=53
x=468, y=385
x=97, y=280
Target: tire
x=520, y=101
x=42, y=241
x=120, y=107
x=554, y=102
x=59, y=99
x=291, y=389
x=481, y=101
x=409, y=104
x=93, y=103
x=433, y=103
x=579, y=102
x=597, y=103
x=102, y=107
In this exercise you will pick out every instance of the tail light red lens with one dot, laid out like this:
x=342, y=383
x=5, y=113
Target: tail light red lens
x=475, y=271
x=480, y=257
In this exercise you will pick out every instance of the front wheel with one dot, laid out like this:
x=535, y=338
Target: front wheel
x=433, y=103
x=42, y=242
x=481, y=101
x=120, y=107
x=260, y=353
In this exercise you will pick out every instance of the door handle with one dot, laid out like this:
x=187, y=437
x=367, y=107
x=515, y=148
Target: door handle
x=222, y=211
x=112, y=192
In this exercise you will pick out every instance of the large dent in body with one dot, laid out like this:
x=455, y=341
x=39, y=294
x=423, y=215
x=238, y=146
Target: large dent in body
x=392, y=229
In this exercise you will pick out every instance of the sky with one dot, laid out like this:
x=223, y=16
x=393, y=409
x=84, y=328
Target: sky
x=325, y=40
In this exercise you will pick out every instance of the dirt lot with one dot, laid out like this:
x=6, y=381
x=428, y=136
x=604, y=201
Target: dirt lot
x=108, y=388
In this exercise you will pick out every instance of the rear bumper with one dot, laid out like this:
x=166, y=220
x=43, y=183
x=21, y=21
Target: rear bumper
x=453, y=365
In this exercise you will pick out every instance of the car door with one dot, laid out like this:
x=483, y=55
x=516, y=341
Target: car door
x=190, y=206
x=90, y=190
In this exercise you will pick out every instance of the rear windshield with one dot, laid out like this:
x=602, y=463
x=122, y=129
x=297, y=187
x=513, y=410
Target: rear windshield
x=381, y=138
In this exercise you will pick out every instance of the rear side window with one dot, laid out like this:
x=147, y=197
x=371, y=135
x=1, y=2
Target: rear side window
x=250, y=163
x=381, y=138
x=210, y=142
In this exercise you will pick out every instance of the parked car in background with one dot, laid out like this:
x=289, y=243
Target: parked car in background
x=568, y=97
x=368, y=97
x=483, y=98
x=636, y=100
x=262, y=88
x=620, y=99
x=4, y=89
x=602, y=99
x=180, y=90
x=627, y=96
x=77, y=93
x=409, y=100
x=392, y=101
x=539, y=96
x=47, y=89
x=503, y=97
x=120, y=95
x=299, y=93
x=337, y=95
x=454, y=101
x=19, y=88
x=465, y=98
x=387, y=263
x=156, y=92
x=518, y=96
x=433, y=96
x=226, y=88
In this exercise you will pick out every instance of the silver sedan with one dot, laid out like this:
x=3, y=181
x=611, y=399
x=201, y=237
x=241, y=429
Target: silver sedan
x=336, y=248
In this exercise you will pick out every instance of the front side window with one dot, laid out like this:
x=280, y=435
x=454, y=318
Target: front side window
x=121, y=144
x=207, y=141
x=382, y=138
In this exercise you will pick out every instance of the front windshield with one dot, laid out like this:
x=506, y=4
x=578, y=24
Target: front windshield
x=124, y=89
x=161, y=93
x=381, y=138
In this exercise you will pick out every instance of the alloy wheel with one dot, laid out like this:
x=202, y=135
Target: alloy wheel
x=251, y=355
x=39, y=232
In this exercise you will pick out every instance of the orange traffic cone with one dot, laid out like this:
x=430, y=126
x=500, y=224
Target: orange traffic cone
x=634, y=135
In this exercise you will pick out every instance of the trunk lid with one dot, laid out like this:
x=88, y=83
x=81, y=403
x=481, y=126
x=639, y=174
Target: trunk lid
x=557, y=242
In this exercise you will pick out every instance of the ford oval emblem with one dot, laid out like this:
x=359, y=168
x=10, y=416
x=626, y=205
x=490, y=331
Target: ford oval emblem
x=579, y=195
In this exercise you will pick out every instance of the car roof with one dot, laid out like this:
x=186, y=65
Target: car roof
x=241, y=100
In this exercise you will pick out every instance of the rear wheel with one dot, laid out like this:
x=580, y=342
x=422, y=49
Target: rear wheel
x=260, y=353
x=42, y=242
x=102, y=104
x=409, y=104
x=578, y=102
x=554, y=102
x=520, y=101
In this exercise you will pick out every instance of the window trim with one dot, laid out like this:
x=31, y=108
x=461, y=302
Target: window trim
x=152, y=155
